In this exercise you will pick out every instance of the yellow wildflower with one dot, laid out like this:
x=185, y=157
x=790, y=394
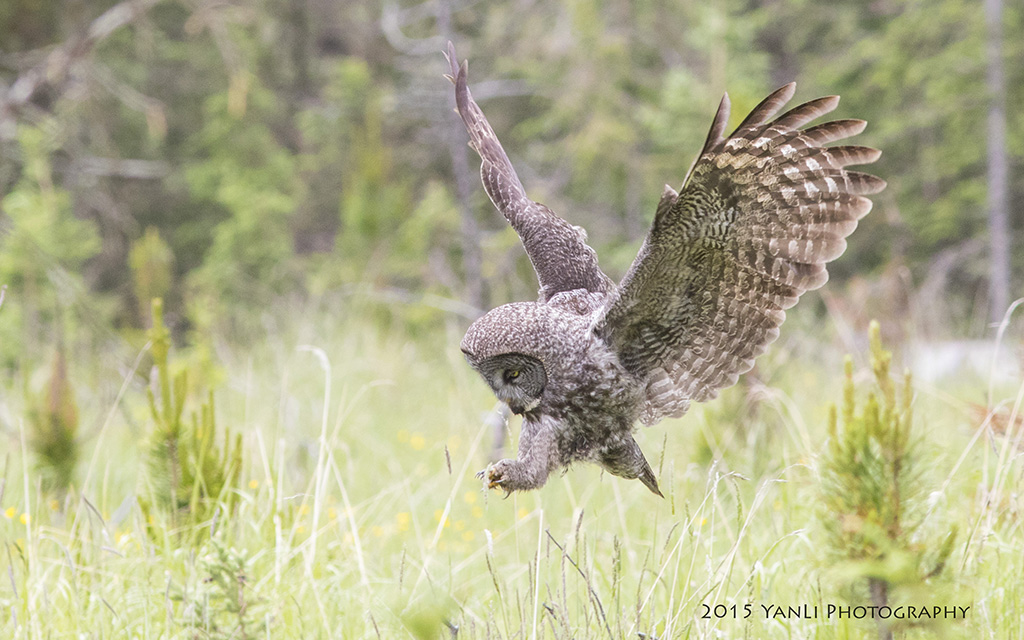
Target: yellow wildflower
x=402, y=519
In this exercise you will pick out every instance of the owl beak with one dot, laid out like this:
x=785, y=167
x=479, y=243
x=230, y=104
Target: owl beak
x=519, y=408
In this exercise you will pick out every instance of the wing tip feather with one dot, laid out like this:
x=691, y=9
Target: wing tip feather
x=768, y=107
x=715, y=134
x=459, y=72
x=453, y=65
x=865, y=183
x=855, y=155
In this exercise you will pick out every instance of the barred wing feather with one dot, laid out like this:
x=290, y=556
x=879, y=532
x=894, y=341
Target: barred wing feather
x=760, y=214
x=558, y=250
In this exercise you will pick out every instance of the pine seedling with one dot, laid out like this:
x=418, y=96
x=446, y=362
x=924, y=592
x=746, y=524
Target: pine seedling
x=870, y=488
x=53, y=418
x=152, y=266
x=217, y=598
x=188, y=475
x=225, y=596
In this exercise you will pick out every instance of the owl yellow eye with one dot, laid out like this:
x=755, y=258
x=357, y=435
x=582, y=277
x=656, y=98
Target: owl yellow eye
x=513, y=374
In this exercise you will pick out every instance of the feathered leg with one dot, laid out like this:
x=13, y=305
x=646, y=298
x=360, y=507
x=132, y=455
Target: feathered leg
x=538, y=457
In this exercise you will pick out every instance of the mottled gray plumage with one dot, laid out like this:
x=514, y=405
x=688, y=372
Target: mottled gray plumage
x=757, y=218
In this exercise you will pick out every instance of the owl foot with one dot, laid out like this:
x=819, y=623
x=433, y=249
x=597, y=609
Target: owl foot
x=498, y=477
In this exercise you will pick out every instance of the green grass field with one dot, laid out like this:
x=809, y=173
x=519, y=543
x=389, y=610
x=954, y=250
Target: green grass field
x=384, y=531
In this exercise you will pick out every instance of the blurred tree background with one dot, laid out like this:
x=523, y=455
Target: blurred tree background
x=235, y=157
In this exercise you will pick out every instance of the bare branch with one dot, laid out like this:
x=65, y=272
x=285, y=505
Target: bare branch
x=55, y=67
x=116, y=17
x=403, y=296
x=122, y=168
x=391, y=26
x=129, y=96
x=998, y=166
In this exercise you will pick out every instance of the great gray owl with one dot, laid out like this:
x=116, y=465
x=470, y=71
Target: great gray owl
x=758, y=216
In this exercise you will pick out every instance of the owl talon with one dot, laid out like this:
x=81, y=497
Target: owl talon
x=495, y=477
x=488, y=474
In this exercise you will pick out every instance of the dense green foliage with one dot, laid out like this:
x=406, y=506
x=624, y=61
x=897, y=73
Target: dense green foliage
x=289, y=149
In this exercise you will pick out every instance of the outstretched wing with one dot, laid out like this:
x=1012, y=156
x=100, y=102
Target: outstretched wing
x=558, y=250
x=759, y=215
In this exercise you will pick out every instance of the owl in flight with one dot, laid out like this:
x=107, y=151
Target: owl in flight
x=758, y=216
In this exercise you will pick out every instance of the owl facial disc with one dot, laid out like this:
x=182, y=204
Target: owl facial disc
x=518, y=380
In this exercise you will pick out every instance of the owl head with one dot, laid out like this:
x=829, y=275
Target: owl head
x=522, y=349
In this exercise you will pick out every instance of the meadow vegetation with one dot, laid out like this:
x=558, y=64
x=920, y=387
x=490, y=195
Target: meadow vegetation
x=356, y=513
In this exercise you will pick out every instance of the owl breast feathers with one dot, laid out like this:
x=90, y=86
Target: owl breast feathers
x=757, y=218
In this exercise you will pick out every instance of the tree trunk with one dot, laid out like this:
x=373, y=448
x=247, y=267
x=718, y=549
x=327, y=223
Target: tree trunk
x=880, y=598
x=298, y=21
x=998, y=183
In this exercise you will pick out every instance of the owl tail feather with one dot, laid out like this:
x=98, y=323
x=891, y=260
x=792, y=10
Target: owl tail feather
x=647, y=477
x=626, y=460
